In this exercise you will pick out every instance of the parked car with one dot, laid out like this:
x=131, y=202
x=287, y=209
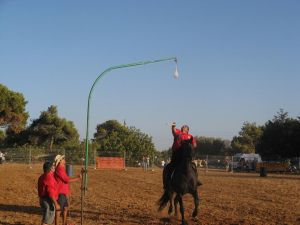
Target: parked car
x=243, y=161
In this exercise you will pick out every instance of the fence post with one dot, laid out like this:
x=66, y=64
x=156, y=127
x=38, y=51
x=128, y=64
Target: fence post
x=30, y=159
x=152, y=163
x=231, y=164
x=95, y=157
x=206, y=164
x=125, y=160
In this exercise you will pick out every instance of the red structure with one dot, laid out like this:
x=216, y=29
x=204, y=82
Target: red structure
x=110, y=163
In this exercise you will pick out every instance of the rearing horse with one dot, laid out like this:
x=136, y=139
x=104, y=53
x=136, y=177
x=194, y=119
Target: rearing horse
x=183, y=181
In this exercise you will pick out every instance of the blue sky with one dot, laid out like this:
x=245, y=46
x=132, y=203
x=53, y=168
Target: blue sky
x=238, y=61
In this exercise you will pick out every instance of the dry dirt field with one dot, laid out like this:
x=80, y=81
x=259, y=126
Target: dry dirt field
x=129, y=197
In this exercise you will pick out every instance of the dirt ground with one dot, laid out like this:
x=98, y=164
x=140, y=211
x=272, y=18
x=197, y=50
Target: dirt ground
x=129, y=197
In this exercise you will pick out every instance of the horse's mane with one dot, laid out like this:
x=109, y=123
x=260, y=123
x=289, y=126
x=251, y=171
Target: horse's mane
x=185, y=151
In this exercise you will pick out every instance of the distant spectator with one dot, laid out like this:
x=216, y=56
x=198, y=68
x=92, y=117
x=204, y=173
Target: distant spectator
x=2, y=157
x=227, y=163
x=163, y=163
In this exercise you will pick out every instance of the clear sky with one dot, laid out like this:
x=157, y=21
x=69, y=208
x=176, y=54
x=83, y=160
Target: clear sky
x=238, y=61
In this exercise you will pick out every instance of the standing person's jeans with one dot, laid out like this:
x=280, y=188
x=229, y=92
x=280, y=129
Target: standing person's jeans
x=48, y=210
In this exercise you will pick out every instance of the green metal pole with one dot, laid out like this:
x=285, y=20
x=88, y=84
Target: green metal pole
x=89, y=102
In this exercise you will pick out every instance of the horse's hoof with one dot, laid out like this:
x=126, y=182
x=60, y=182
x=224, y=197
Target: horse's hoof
x=195, y=214
x=195, y=218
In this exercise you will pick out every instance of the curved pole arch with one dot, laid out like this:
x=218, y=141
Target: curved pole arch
x=89, y=102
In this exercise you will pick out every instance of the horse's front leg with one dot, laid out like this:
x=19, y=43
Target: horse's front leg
x=179, y=199
x=196, y=203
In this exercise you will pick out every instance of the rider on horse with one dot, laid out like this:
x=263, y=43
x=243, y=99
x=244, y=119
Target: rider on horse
x=179, y=136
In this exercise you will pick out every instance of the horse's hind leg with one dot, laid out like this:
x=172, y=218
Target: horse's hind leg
x=196, y=203
x=175, y=206
x=170, y=208
x=171, y=205
x=179, y=199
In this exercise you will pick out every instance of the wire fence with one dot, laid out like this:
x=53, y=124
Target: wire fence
x=76, y=156
x=37, y=155
x=147, y=162
x=240, y=164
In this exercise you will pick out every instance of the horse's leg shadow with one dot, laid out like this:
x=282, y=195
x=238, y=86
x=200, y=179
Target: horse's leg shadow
x=165, y=220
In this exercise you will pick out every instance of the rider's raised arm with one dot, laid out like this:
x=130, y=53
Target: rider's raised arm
x=173, y=127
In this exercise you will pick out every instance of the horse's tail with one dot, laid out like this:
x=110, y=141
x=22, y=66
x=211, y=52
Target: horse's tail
x=162, y=202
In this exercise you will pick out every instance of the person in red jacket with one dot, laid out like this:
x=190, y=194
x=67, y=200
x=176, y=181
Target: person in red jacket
x=179, y=136
x=48, y=193
x=63, y=186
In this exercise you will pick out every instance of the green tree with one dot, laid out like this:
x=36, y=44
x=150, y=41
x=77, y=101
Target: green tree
x=12, y=110
x=281, y=137
x=247, y=139
x=107, y=128
x=50, y=130
x=210, y=146
x=2, y=138
x=114, y=137
x=139, y=144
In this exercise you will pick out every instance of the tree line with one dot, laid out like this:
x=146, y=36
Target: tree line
x=278, y=137
x=50, y=131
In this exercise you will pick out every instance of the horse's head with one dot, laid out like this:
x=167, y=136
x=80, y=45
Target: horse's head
x=186, y=148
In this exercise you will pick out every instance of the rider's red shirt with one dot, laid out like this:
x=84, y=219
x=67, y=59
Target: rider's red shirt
x=179, y=136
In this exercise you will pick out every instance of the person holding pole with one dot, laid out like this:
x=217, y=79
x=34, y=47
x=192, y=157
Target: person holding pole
x=63, y=187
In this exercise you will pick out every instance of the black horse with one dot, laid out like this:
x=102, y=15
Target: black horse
x=183, y=181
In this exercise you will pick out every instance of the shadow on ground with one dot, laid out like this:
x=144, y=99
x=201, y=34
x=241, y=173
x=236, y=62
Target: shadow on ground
x=20, y=208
